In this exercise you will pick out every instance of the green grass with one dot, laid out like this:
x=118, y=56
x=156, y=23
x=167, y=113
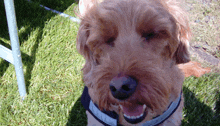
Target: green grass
x=202, y=101
x=52, y=70
x=205, y=23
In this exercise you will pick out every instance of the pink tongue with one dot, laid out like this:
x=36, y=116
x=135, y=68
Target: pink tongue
x=133, y=110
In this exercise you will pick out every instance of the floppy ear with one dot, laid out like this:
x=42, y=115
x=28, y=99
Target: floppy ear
x=83, y=49
x=82, y=38
x=182, y=53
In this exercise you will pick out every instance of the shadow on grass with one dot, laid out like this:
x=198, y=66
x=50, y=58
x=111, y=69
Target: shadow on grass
x=30, y=16
x=5, y=64
x=77, y=115
x=197, y=113
x=217, y=107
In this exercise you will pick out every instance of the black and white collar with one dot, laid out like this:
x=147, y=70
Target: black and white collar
x=110, y=118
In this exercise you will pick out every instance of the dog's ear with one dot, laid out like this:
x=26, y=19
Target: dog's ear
x=181, y=55
x=83, y=49
x=82, y=37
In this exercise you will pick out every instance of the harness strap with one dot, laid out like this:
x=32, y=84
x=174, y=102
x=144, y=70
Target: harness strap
x=107, y=118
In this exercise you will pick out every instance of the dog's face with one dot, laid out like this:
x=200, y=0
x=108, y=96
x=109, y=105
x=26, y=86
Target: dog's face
x=131, y=49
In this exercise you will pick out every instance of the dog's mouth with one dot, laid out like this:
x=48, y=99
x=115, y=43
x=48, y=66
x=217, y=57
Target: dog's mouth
x=134, y=114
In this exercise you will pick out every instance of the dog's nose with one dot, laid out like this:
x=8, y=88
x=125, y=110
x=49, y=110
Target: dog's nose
x=123, y=87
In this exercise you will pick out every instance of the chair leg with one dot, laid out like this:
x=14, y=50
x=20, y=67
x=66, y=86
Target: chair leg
x=13, y=32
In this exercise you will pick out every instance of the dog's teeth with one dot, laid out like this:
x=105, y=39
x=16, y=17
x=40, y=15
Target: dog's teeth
x=127, y=116
x=144, y=107
x=121, y=106
x=141, y=115
x=133, y=117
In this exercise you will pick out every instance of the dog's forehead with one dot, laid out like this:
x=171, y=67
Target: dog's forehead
x=128, y=15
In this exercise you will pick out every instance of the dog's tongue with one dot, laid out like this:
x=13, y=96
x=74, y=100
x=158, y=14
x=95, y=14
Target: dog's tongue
x=133, y=110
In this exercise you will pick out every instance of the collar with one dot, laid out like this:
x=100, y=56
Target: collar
x=160, y=119
x=110, y=118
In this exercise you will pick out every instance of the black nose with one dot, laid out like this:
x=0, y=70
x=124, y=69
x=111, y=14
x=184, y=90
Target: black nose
x=123, y=87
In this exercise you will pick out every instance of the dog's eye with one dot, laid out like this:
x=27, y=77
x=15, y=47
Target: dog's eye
x=110, y=41
x=149, y=36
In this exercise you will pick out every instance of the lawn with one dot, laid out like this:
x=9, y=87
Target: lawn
x=53, y=77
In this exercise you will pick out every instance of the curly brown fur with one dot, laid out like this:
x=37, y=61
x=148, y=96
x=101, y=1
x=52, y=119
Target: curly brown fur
x=142, y=39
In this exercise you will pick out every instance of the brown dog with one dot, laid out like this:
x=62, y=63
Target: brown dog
x=132, y=48
x=193, y=68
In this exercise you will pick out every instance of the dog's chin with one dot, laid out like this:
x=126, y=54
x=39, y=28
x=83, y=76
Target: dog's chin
x=134, y=114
